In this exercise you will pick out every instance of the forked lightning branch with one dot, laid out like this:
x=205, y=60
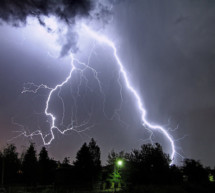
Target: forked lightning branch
x=48, y=138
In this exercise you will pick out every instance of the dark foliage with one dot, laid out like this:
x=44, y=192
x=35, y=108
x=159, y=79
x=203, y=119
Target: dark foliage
x=88, y=163
x=149, y=165
x=194, y=172
x=175, y=175
x=144, y=169
x=46, y=168
x=10, y=163
x=30, y=165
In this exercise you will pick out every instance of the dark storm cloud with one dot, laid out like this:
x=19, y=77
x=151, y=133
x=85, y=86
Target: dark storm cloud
x=16, y=12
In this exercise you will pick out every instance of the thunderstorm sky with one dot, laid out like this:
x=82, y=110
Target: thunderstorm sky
x=168, y=50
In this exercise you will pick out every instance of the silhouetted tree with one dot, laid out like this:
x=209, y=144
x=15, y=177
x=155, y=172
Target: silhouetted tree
x=65, y=175
x=46, y=167
x=96, y=160
x=66, y=162
x=149, y=165
x=195, y=172
x=1, y=166
x=30, y=165
x=175, y=175
x=11, y=164
x=43, y=155
x=88, y=164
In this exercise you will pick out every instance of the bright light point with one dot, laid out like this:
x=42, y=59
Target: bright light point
x=119, y=162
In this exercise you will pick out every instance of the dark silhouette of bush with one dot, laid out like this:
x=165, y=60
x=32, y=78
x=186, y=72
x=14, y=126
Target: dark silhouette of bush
x=65, y=175
x=194, y=172
x=149, y=165
x=11, y=164
x=175, y=175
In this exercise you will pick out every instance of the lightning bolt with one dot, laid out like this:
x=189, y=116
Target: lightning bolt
x=145, y=122
x=33, y=88
x=48, y=138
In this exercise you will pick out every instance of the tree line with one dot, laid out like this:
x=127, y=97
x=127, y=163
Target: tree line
x=148, y=165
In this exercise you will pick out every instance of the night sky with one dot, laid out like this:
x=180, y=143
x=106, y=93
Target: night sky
x=167, y=48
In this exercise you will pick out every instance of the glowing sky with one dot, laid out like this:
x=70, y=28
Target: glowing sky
x=168, y=50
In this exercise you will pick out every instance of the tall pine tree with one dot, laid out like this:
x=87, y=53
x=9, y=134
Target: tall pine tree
x=88, y=163
x=30, y=165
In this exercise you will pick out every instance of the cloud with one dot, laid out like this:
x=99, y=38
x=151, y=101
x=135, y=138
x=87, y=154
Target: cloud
x=16, y=13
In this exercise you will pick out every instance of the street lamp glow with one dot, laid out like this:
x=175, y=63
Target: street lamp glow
x=119, y=162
